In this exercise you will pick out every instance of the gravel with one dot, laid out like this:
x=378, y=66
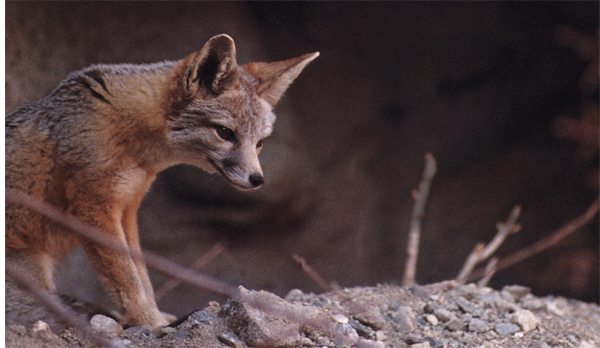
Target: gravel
x=441, y=315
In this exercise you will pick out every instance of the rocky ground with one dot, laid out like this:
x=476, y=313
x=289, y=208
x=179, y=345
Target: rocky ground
x=438, y=315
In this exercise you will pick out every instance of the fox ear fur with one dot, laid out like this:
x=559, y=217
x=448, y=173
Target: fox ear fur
x=212, y=68
x=276, y=77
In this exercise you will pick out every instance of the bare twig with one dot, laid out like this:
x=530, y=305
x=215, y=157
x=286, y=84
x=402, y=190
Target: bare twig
x=94, y=234
x=21, y=277
x=549, y=241
x=481, y=252
x=414, y=234
x=202, y=262
x=490, y=270
x=312, y=273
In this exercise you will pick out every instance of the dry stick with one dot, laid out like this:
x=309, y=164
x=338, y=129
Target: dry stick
x=98, y=236
x=490, y=270
x=549, y=241
x=481, y=252
x=312, y=273
x=202, y=262
x=26, y=282
x=414, y=234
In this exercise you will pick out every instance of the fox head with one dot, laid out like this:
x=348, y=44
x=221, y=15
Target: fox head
x=222, y=112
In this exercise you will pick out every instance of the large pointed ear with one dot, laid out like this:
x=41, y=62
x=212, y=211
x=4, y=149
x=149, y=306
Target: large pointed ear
x=274, y=78
x=213, y=68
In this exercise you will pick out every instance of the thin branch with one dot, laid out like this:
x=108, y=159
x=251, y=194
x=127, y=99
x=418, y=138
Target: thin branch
x=472, y=261
x=549, y=241
x=482, y=252
x=312, y=273
x=202, y=262
x=414, y=234
x=490, y=270
x=96, y=235
x=27, y=283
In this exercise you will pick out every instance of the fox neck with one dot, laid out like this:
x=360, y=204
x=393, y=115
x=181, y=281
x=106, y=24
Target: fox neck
x=136, y=107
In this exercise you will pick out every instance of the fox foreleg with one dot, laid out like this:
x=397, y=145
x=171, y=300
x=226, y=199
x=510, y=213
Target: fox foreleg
x=125, y=280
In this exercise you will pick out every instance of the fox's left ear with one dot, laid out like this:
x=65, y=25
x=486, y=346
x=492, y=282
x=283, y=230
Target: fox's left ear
x=276, y=77
x=213, y=68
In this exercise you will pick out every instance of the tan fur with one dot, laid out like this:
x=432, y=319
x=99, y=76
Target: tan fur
x=95, y=144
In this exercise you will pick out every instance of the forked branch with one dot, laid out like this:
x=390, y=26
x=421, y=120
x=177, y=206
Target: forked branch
x=481, y=252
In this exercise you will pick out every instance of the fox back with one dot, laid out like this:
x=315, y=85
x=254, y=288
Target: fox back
x=95, y=144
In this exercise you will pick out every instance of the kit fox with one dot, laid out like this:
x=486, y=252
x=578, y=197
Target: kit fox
x=95, y=144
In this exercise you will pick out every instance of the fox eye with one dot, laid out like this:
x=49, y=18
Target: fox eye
x=224, y=132
x=259, y=145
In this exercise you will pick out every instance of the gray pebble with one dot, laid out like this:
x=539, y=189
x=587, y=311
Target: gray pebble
x=444, y=315
x=105, y=326
x=506, y=329
x=295, y=295
x=361, y=329
x=477, y=325
x=454, y=325
x=517, y=292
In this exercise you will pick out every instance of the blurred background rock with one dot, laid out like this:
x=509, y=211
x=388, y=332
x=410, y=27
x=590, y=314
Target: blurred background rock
x=479, y=85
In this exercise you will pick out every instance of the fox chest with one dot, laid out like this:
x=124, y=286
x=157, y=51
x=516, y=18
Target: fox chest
x=130, y=185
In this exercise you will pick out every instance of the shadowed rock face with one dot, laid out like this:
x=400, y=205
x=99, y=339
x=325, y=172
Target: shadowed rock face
x=477, y=85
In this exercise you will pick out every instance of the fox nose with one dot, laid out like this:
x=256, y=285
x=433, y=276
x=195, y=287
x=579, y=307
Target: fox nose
x=256, y=179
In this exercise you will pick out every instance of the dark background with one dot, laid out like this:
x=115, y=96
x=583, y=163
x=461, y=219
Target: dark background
x=480, y=85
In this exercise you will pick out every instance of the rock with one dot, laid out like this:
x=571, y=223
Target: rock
x=340, y=318
x=40, y=326
x=295, y=295
x=267, y=326
x=230, y=340
x=517, y=292
x=105, y=326
x=586, y=344
x=464, y=305
x=429, y=308
x=165, y=331
x=467, y=291
x=506, y=329
x=557, y=307
x=526, y=320
x=410, y=339
x=444, y=315
x=41, y=329
x=431, y=319
x=345, y=336
x=404, y=319
x=477, y=325
x=421, y=291
x=454, y=325
x=361, y=329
